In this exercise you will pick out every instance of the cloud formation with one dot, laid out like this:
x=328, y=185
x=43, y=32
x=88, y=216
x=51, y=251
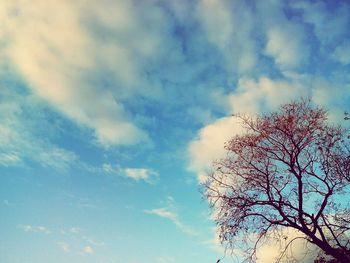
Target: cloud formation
x=57, y=55
x=221, y=22
x=90, y=62
x=285, y=50
x=98, y=80
x=292, y=49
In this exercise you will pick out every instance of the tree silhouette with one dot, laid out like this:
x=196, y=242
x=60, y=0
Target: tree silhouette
x=289, y=170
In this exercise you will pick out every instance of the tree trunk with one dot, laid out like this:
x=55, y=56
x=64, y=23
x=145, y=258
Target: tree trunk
x=341, y=256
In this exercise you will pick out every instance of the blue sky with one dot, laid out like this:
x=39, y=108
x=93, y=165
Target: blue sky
x=111, y=112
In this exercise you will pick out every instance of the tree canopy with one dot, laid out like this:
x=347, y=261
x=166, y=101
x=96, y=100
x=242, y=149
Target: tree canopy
x=289, y=170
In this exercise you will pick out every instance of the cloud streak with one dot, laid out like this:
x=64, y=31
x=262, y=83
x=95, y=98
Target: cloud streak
x=137, y=174
x=171, y=216
x=25, y=132
x=35, y=229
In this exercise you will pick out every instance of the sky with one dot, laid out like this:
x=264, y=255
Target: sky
x=112, y=111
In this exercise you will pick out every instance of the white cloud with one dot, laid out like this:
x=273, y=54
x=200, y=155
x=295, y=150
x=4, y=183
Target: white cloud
x=137, y=174
x=280, y=36
x=254, y=96
x=217, y=22
x=164, y=212
x=209, y=145
x=169, y=213
x=173, y=217
x=35, y=229
x=49, y=158
x=240, y=44
x=264, y=94
x=285, y=45
x=88, y=250
x=299, y=250
x=222, y=23
x=107, y=168
x=59, y=58
x=270, y=249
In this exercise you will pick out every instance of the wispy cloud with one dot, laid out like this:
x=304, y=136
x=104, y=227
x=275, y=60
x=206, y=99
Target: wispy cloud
x=81, y=202
x=137, y=174
x=76, y=233
x=88, y=250
x=64, y=246
x=9, y=159
x=35, y=229
x=170, y=214
x=173, y=217
x=25, y=132
x=166, y=259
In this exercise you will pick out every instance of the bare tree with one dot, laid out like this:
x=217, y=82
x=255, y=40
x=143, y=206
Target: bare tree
x=289, y=170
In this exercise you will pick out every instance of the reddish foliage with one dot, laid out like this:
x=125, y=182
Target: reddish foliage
x=289, y=170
